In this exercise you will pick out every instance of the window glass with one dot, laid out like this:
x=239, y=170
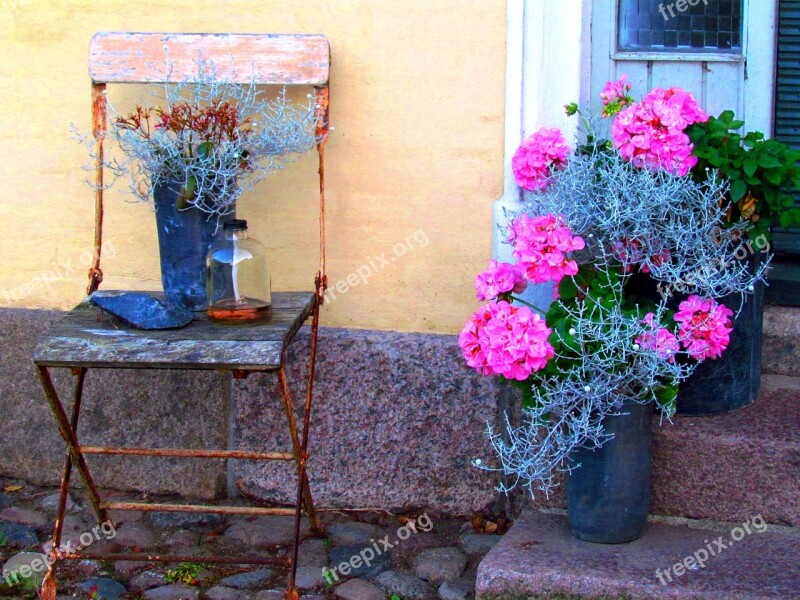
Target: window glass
x=680, y=25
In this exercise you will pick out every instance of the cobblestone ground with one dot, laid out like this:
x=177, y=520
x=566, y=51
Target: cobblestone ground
x=367, y=555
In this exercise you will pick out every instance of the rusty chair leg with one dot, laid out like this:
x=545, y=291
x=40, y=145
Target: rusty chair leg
x=68, y=433
x=300, y=448
x=299, y=453
x=316, y=524
x=49, y=586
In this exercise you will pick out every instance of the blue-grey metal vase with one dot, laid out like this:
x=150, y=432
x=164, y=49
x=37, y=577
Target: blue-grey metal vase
x=732, y=381
x=608, y=495
x=184, y=237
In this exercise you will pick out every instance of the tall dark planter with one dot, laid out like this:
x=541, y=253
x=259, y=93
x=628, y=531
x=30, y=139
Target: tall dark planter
x=184, y=237
x=608, y=496
x=733, y=380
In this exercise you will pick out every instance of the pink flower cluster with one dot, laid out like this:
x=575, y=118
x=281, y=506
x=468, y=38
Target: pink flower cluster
x=499, y=278
x=651, y=133
x=659, y=339
x=512, y=341
x=501, y=339
x=541, y=245
x=704, y=328
x=615, y=96
x=537, y=156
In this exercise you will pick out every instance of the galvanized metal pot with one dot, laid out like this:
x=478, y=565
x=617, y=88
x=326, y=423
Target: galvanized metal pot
x=184, y=237
x=733, y=380
x=608, y=495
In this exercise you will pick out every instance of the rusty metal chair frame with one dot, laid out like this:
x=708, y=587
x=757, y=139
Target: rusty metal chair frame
x=263, y=59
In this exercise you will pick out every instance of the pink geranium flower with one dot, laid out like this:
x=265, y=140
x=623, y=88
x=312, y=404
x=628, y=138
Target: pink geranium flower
x=541, y=247
x=651, y=134
x=499, y=278
x=658, y=339
x=537, y=156
x=501, y=339
x=705, y=327
x=615, y=96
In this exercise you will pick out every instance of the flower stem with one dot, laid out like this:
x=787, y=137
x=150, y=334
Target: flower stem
x=536, y=308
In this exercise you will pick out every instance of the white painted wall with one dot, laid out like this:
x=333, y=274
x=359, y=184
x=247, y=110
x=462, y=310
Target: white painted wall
x=547, y=66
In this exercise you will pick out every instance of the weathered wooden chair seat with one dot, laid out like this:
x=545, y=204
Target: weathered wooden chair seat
x=90, y=337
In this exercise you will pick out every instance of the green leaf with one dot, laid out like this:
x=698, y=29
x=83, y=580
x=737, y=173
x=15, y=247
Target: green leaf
x=567, y=288
x=187, y=193
x=769, y=162
x=738, y=190
x=750, y=167
x=204, y=150
x=774, y=177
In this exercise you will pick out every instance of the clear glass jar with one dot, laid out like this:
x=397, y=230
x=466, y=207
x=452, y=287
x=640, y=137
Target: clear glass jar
x=238, y=280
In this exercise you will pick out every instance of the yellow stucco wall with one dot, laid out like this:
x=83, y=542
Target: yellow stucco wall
x=415, y=160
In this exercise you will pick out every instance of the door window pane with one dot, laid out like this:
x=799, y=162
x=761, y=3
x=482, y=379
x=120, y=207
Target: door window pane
x=680, y=25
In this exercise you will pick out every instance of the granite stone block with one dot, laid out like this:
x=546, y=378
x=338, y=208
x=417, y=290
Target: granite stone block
x=540, y=558
x=120, y=408
x=397, y=420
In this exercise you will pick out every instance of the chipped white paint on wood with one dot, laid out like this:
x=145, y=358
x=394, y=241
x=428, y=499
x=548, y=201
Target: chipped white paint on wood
x=282, y=59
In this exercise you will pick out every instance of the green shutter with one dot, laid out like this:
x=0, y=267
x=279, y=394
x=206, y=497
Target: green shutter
x=787, y=101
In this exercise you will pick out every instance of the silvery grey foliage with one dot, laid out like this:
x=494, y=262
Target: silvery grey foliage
x=279, y=131
x=674, y=222
x=568, y=408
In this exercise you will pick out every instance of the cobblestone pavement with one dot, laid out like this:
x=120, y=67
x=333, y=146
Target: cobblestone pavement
x=365, y=556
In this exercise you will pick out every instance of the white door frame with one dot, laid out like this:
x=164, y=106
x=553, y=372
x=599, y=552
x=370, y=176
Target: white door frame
x=548, y=50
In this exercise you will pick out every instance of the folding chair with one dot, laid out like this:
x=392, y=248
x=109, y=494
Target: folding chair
x=88, y=338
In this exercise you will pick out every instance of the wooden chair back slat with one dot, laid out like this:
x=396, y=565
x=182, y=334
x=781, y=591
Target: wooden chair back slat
x=280, y=59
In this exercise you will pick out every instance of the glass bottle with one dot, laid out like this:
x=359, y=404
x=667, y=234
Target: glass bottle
x=238, y=280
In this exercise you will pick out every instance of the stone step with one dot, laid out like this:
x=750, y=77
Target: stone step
x=540, y=558
x=727, y=467
x=734, y=466
x=781, y=353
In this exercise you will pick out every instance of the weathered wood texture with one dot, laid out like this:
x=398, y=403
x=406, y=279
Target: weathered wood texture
x=90, y=337
x=283, y=59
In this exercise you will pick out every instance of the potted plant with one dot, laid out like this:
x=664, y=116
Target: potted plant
x=193, y=150
x=764, y=176
x=607, y=224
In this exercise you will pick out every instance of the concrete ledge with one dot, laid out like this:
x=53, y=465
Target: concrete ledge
x=540, y=558
x=397, y=420
x=735, y=466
